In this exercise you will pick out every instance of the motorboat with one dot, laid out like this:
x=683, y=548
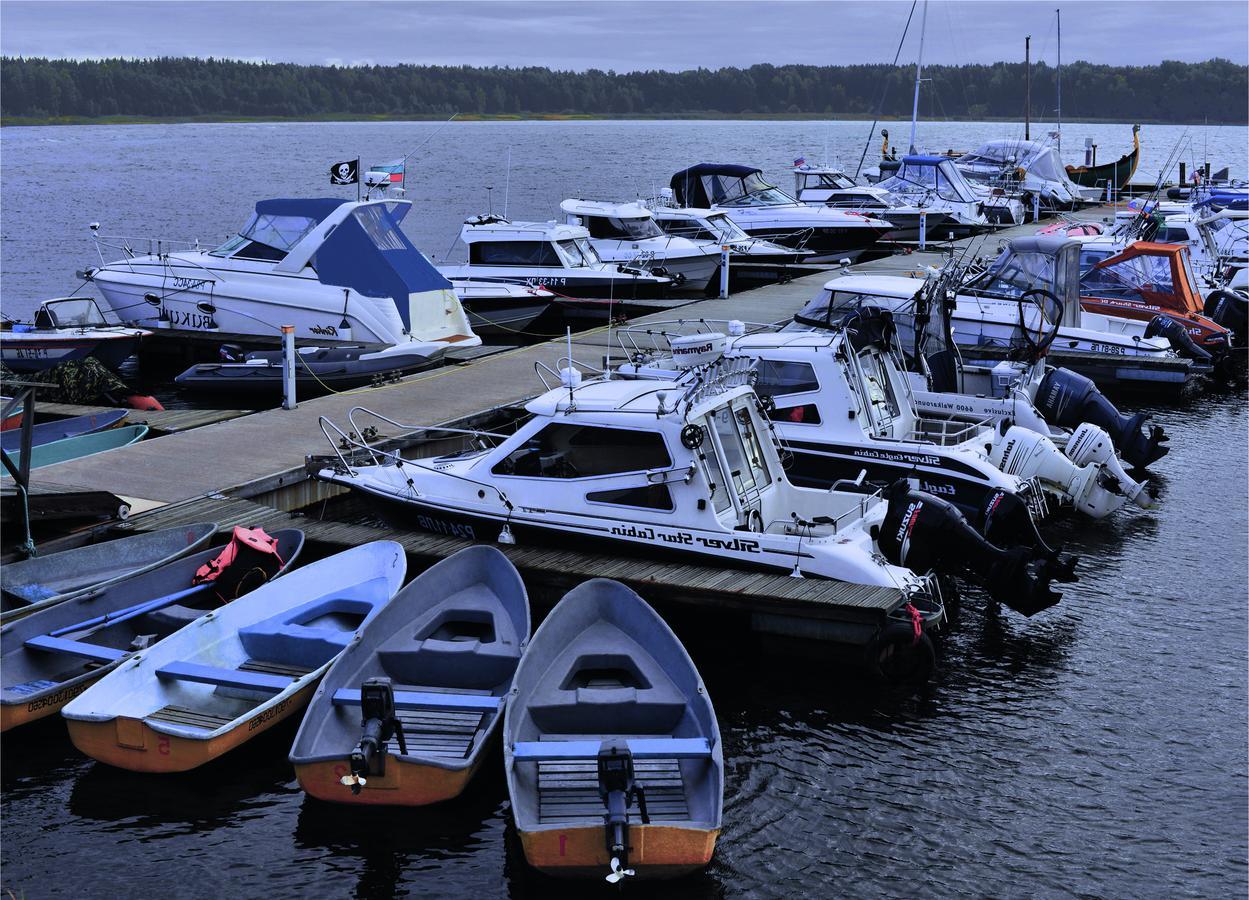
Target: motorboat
x=715, y=227
x=765, y=211
x=935, y=183
x=556, y=257
x=611, y=748
x=236, y=671
x=409, y=712
x=626, y=234
x=1023, y=390
x=830, y=186
x=339, y=271
x=1031, y=168
x=53, y=655
x=501, y=308
x=67, y=329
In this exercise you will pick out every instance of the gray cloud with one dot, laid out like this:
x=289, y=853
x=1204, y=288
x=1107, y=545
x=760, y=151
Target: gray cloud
x=624, y=35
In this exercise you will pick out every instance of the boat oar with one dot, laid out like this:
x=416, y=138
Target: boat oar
x=130, y=612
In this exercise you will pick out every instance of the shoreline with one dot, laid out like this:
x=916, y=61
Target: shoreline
x=31, y=121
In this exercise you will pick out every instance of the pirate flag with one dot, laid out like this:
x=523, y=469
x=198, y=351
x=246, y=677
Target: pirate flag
x=345, y=172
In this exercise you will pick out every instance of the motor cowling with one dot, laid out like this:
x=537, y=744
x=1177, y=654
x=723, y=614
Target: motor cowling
x=1067, y=399
x=1179, y=338
x=1231, y=310
x=1091, y=446
x=928, y=534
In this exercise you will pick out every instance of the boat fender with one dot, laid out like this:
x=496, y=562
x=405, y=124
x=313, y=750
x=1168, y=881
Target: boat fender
x=927, y=533
x=379, y=724
x=895, y=658
x=1179, y=338
x=1231, y=310
x=144, y=402
x=248, y=560
x=1067, y=399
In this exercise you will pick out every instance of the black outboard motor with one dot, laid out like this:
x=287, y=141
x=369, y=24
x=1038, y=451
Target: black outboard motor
x=1231, y=310
x=925, y=533
x=1181, y=341
x=618, y=790
x=1068, y=399
x=378, y=720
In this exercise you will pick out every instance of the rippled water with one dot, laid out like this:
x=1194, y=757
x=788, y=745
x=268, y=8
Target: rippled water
x=1098, y=750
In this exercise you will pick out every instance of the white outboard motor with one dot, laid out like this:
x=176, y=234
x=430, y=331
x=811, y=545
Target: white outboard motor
x=1090, y=476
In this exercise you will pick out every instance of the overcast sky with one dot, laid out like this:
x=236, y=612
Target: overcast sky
x=624, y=35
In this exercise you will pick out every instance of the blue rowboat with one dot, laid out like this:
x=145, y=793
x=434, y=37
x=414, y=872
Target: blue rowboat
x=52, y=656
x=236, y=671
x=70, y=448
x=43, y=581
x=447, y=646
x=47, y=432
x=610, y=743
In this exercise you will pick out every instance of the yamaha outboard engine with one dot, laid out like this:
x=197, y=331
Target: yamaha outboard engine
x=1231, y=310
x=380, y=724
x=618, y=790
x=925, y=533
x=1068, y=399
x=1181, y=341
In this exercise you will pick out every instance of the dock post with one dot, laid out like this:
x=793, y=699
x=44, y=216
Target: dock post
x=724, y=271
x=1036, y=207
x=288, y=367
x=1183, y=174
x=923, y=229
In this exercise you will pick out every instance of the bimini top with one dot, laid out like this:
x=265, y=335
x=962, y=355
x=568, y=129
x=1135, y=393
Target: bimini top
x=351, y=244
x=713, y=184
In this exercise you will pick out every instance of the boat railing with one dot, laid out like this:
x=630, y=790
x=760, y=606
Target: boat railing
x=542, y=370
x=644, y=341
x=155, y=246
x=947, y=432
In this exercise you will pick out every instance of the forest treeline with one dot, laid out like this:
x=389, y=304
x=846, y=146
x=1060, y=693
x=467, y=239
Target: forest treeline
x=1214, y=90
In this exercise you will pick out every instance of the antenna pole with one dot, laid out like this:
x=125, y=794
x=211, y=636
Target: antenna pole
x=1027, y=90
x=1059, y=75
x=919, y=71
x=507, y=180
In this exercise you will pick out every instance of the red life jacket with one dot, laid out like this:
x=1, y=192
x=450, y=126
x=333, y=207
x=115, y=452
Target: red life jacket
x=245, y=563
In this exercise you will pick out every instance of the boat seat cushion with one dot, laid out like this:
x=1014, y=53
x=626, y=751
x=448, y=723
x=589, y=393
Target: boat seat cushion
x=314, y=633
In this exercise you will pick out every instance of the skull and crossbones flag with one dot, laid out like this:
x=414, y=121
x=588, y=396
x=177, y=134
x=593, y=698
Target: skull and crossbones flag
x=347, y=172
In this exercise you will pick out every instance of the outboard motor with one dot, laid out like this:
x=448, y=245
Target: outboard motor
x=1231, y=310
x=926, y=533
x=1090, y=475
x=380, y=724
x=1068, y=399
x=618, y=790
x=1181, y=341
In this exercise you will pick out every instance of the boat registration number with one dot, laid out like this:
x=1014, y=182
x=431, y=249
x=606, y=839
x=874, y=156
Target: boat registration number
x=1114, y=349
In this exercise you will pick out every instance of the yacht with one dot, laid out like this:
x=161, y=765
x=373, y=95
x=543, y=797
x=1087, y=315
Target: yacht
x=339, y=271
x=550, y=255
x=830, y=186
x=765, y=211
x=626, y=234
x=715, y=227
x=935, y=183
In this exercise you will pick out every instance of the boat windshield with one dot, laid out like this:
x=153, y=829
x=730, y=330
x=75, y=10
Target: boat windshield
x=828, y=308
x=79, y=312
x=829, y=180
x=877, y=199
x=725, y=229
x=269, y=237
x=942, y=179
x=1014, y=274
x=750, y=190
x=538, y=254
x=616, y=228
x=1134, y=279
x=579, y=253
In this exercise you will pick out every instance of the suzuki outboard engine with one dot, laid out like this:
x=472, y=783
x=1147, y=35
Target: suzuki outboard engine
x=925, y=533
x=1090, y=475
x=1068, y=399
x=1231, y=310
x=1181, y=341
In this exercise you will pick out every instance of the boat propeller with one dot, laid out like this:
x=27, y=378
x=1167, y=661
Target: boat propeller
x=380, y=724
x=618, y=872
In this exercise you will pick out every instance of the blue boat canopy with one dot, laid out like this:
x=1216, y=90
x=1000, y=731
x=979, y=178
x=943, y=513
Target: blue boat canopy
x=317, y=208
x=721, y=184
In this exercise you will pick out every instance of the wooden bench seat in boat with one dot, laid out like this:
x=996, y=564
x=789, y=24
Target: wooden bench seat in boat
x=640, y=748
x=568, y=791
x=77, y=648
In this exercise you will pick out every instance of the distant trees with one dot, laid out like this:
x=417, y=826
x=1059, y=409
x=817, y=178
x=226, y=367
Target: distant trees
x=182, y=87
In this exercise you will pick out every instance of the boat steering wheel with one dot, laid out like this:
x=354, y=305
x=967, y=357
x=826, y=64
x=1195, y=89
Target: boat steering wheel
x=1050, y=315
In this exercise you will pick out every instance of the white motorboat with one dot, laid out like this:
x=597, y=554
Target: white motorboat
x=496, y=307
x=339, y=271
x=626, y=234
x=560, y=258
x=65, y=330
x=935, y=183
x=765, y=211
x=1031, y=167
x=830, y=186
x=715, y=227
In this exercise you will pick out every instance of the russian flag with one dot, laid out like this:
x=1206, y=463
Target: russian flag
x=800, y=161
x=393, y=169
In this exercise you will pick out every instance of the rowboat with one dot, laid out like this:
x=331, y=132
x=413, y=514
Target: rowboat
x=52, y=656
x=611, y=747
x=431, y=672
x=47, y=432
x=81, y=445
x=35, y=584
x=237, y=671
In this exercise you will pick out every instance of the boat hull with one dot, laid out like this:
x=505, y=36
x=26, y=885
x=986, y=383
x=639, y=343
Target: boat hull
x=404, y=784
x=655, y=851
x=133, y=744
x=14, y=715
x=29, y=353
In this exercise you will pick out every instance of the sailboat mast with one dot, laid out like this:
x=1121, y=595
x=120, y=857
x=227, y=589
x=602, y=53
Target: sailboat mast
x=1059, y=14
x=919, y=71
x=1027, y=90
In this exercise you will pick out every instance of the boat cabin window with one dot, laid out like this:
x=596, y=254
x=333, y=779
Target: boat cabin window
x=714, y=473
x=942, y=179
x=1014, y=274
x=267, y=237
x=743, y=452
x=514, y=253
x=777, y=378
x=1173, y=236
x=653, y=496
x=579, y=252
x=578, y=451
x=752, y=190
x=1130, y=279
x=686, y=228
x=381, y=228
x=618, y=229
x=877, y=391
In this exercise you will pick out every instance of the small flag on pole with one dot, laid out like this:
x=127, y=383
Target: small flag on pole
x=393, y=169
x=346, y=172
x=800, y=161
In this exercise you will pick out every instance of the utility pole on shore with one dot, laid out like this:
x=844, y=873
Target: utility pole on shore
x=1027, y=91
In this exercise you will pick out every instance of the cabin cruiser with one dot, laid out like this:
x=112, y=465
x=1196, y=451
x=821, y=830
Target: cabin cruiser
x=715, y=227
x=554, y=256
x=1034, y=168
x=935, y=183
x=339, y=271
x=626, y=234
x=1023, y=391
x=765, y=211
x=828, y=186
x=842, y=404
